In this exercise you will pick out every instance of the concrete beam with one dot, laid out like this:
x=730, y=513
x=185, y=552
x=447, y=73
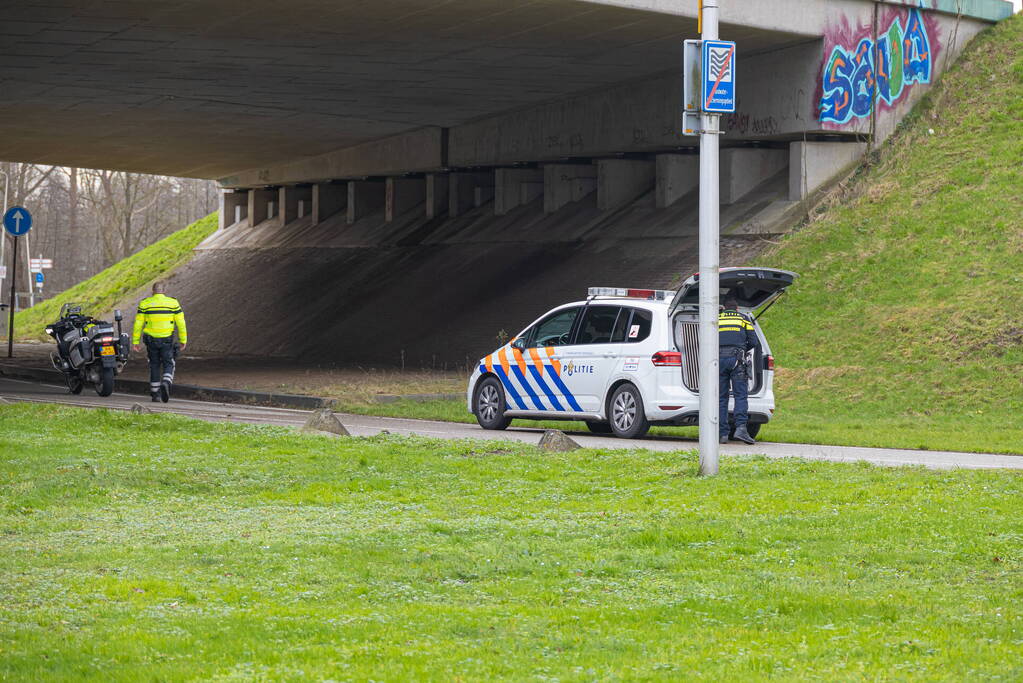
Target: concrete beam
x=564, y=183
x=327, y=200
x=417, y=150
x=288, y=198
x=364, y=197
x=516, y=186
x=259, y=205
x=436, y=194
x=812, y=164
x=677, y=175
x=619, y=181
x=403, y=194
x=234, y=207
x=466, y=190
x=744, y=168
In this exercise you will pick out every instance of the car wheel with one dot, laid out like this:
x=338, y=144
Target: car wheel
x=752, y=427
x=628, y=419
x=488, y=405
x=599, y=427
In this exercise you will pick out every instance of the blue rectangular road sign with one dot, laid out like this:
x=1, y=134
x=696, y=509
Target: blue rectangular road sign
x=39, y=278
x=718, y=90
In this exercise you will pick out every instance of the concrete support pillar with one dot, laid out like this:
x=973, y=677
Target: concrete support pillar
x=743, y=168
x=259, y=205
x=677, y=175
x=812, y=164
x=619, y=181
x=364, y=197
x=327, y=200
x=516, y=186
x=436, y=194
x=403, y=194
x=564, y=183
x=234, y=207
x=466, y=190
x=288, y=197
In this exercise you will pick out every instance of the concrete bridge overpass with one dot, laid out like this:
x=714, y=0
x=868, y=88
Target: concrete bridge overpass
x=459, y=129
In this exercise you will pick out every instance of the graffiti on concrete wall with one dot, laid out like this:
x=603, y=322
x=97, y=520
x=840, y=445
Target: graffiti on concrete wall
x=857, y=76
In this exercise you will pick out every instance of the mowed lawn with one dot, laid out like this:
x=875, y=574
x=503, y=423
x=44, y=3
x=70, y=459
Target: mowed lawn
x=156, y=547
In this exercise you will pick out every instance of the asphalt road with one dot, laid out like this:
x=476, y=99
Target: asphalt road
x=362, y=425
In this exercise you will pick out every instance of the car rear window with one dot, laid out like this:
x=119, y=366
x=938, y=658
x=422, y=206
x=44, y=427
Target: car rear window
x=639, y=325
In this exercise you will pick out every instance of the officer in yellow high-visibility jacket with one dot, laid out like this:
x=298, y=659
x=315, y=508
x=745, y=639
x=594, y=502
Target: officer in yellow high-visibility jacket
x=736, y=336
x=155, y=321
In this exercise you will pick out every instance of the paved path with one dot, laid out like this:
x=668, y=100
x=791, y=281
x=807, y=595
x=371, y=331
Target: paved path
x=362, y=425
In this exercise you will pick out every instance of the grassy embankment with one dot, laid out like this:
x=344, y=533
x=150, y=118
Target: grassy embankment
x=905, y=328
x=241, y=552
x=105, y=290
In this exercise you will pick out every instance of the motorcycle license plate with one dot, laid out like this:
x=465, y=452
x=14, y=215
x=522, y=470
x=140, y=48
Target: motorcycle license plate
x=106, y=351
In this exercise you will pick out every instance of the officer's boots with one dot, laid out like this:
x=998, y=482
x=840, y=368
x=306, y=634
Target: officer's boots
x=742, y=435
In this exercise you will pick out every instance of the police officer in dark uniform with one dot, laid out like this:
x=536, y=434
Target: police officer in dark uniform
x=736, y=336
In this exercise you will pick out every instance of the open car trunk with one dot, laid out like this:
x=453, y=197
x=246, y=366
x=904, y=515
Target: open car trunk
x=754, y=288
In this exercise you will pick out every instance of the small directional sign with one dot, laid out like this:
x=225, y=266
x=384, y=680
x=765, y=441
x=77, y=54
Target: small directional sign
x=39, y=279
x=718, y=90
x=17, y=221
x=37, y=264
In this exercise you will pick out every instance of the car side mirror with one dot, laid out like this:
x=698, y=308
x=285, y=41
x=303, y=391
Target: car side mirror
x=117, y=315
x=519, y=344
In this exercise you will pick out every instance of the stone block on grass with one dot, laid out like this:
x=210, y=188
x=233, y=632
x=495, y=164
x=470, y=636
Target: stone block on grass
x=139, y=409
x=557, y=441
x=324, y=420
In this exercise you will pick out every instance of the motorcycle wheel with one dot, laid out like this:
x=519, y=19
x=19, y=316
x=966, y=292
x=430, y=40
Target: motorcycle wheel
x=74, y=384
x=105, y=385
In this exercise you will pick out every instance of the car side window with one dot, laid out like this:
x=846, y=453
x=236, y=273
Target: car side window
x=639, y=326
x=597, y=325
x=555, y=329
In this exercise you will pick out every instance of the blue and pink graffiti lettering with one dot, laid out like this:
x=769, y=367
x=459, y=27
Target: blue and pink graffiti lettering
x=853, y=80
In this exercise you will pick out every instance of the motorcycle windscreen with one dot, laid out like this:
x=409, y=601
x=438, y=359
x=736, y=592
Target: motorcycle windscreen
x=752, y=287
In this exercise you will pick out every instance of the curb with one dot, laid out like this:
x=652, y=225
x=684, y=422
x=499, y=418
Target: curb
x=212, y=394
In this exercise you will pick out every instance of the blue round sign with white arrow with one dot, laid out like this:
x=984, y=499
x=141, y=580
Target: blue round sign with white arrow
x=17, y=221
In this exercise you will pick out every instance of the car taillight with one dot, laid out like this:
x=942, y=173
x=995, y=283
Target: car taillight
x=769, y=362
x=667, y=359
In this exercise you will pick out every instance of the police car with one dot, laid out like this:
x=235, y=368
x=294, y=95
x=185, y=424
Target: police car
x=621, y=360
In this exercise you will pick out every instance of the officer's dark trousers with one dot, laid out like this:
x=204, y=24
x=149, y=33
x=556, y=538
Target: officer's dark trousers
x=161, y=361
x=732, y=373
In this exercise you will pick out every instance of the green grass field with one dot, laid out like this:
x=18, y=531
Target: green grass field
x=159, y=548
x=105, y=290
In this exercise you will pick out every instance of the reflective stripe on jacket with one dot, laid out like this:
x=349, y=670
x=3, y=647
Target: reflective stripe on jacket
x=157, y=316
x=735, y=329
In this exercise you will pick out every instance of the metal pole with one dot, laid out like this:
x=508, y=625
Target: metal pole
x=28, y=271
x=3, y=236
x=14, y=285
x=709, y=266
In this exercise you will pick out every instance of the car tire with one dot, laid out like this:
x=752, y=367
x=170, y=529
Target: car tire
x=627, y=417
x=599, y=427
x=488, y=404
x=752, y=427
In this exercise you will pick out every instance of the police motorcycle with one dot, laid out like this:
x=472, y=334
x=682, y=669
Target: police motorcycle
x=88, y=350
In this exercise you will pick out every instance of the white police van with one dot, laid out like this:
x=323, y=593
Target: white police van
x=621, y=360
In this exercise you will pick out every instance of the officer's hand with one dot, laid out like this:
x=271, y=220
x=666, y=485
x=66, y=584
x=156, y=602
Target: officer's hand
x=182, y=346
x=135, y=347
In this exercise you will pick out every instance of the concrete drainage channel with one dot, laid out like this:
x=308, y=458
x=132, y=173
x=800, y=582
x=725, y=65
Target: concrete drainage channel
x=197, y=393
